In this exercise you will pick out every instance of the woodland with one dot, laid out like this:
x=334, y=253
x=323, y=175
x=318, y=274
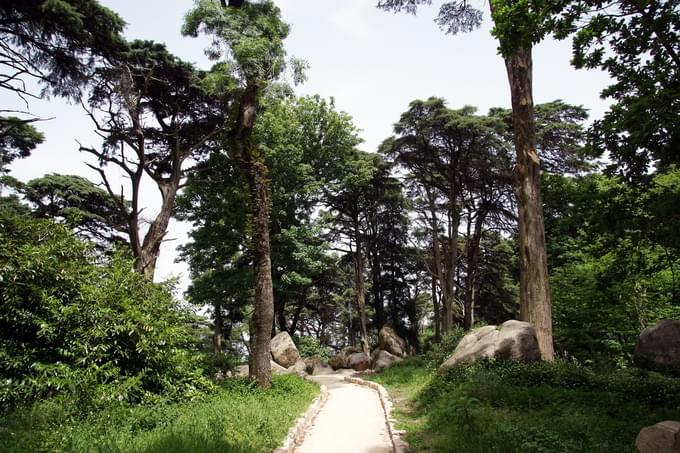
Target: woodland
x=460, y=219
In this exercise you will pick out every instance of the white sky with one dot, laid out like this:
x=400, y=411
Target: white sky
x=372, y=62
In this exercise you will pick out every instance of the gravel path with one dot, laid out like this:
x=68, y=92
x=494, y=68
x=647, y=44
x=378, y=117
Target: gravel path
x=351, y=421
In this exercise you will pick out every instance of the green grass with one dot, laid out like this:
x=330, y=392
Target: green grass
x=239, y=417
x=511, y=407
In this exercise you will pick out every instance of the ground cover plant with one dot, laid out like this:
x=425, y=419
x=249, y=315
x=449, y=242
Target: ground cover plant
x=538, y=407
x=236, y=417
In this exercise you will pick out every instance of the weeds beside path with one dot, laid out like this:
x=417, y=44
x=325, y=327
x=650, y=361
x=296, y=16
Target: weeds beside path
x=238, y=418
x=540, y=407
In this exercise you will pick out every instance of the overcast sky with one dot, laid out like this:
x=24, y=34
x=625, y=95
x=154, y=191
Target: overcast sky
x=372, y=62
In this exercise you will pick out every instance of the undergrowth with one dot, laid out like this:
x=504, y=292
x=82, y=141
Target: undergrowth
x=495, y=406
x=238, y=417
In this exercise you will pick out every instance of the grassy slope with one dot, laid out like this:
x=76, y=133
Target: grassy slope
x=508, y=407
x=238, y=418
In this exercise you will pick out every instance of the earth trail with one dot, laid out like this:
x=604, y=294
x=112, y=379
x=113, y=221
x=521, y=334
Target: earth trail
x=351, y=421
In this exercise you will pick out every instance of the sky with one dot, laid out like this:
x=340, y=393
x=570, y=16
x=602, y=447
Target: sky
x=373, y=63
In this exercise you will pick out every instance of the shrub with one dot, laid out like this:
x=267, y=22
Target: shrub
x=310, y=346
x=72, y=322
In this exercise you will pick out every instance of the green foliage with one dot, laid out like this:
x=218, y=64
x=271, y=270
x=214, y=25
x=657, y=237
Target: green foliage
x=310, y=346
x=55, y=42
x=435, y=354
x=538, y=407
x=238, y=417
x=18, y=138
x=96, y=332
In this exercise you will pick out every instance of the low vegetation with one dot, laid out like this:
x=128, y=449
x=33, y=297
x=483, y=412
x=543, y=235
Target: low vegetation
x=236, y=417
x=538, y=407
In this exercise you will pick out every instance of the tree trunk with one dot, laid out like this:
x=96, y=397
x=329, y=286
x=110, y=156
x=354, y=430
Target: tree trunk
x=435, y=306
x=445, y=300
x=217, y=334
x=359, y=282
x=255, y=171
x=471, y=279
x=534, y=284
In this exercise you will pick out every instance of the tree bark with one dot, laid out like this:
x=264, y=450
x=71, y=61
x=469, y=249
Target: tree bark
x=217, y=334
x=534, y=284
x=471, y=279
x=359, y=282
x=435, y=306
x=255, y=170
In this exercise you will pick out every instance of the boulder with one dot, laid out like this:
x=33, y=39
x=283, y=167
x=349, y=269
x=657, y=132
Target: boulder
x=358, y=361
x=283, y=350
x=244, y=370
x=299, y=368
x=512, y=340
x=311, y=363
x=340, y=360
x=382, y=359
x=321, y=369
x=389, y=341
x=659, y=346
x=664, y=437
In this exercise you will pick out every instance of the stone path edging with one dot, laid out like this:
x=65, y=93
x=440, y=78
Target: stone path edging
x=399, y=445
x=297, y=432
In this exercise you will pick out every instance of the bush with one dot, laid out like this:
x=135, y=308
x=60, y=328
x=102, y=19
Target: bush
x=96, y=331
x=437, y=353
x=310, y=346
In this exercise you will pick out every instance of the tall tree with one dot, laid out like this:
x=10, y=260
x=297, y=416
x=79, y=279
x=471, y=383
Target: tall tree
x=153, y=117
x=253, y=35
x=517, y=26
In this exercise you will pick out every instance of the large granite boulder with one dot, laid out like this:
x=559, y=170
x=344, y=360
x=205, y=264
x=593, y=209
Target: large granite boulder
x=389, y=341
x=664, y=437
x=382, y=359
x=283, y=350
x=659, y=346
x=358, y=361
x=341, y=359
x=512, y=340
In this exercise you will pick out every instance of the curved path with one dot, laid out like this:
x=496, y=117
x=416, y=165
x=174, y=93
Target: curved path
x=351, y=421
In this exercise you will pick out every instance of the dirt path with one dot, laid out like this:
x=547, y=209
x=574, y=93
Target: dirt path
x=351, y=421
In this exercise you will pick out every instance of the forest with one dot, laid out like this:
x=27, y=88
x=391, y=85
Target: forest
x=461, y=219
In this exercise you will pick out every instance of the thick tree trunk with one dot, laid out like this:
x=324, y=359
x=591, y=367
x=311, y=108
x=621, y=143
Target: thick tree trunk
x=360, y=291
x=534, y=284
x=445, y=301
x=145, y=261
x=471, y=279
x=255, y=171
x=435, y=307
x=451, y=265
x=217, y=334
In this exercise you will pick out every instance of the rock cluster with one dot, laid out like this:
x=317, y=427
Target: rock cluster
x=391, y=349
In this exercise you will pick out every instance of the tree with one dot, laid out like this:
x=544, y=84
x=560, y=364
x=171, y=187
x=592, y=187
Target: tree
x=54, y=42
x=517, y=26
x=641, y=129
x=252, y=34
x=18, y=138
x=154, y=117
x=90, y=210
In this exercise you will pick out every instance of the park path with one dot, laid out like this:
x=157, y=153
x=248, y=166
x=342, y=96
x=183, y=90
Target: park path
x=351, y=421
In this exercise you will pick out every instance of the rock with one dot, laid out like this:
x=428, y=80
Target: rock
x=358, y=361
x=389, y=341
x=322, y=368
x=382, y=359
x=277, y=369
x=244, y=371
x=659, y=346
x=340, y=360
x=512, y=340
x=299, y=368
x=283, y=350
x=664, y=437
x=311, y=363
x=241, y=371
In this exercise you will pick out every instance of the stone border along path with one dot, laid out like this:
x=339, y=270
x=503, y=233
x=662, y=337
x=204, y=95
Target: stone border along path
x=347, y=417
